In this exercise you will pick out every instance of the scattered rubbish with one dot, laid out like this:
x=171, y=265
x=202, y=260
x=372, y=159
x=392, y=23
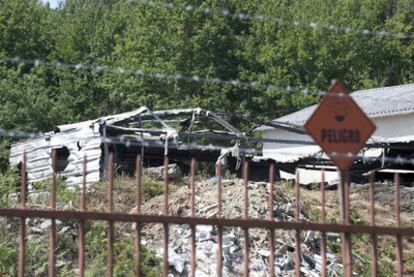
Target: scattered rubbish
x=233, y=238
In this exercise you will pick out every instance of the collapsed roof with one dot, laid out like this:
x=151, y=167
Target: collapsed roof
x=176, y=131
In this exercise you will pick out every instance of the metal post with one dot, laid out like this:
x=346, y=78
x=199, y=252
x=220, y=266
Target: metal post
x=106, y=149
x=22, y=229
x=82, y=227
x=374, y=243
x=271, y=231
x=165, y=268
x=110, y=210
x=399, y=252
x=52, y=237
x=323, y=220
x=246, y=216
x=297, y=232
x=193, y=230
x=344, y=217
x=138, y=224
x=219, y=228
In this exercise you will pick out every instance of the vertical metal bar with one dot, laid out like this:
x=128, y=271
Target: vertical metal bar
x=53, y=190
x=219, y=228
x=83, y=191
x=81, y=250
x=341, y=195
x=399, y=257
x=246, y=189
x=246, y=216
x=166, y=184
x=271, y=231
x=323, y=220
x=165, y=256
x=193, y=236
x=22, y=247
x=193, y=169
x=106, y=146
x=110, y=210
x=343, y=211
x=297, y=232
x=397, y=199
x=22, y=229
x=218, y=175
x=138, y=198
x=347, y=236
x=52, y=235
x=399, y=251
x=374, y=243
x=346, y=198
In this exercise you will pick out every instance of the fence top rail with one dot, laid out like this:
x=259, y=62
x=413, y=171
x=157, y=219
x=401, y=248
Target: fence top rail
x=227, y=222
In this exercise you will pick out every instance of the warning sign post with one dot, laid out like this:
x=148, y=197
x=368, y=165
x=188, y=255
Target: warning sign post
x=341, y=129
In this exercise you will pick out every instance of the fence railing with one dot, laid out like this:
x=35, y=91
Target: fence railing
x=82, y=215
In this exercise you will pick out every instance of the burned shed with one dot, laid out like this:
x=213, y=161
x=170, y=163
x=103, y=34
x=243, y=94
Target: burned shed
x=390, y=108
x=182, y=133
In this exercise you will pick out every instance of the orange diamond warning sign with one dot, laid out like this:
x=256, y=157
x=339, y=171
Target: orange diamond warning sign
x=339, y=126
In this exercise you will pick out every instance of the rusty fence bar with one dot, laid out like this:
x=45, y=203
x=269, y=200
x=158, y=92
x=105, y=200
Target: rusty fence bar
x=322, y=220
x=246, y=216
x=219, y=216
x=193, y=230
x=138, y=199
x=271, y=231
x=165, y=227
x=52, y=235
x=22, y=228
x=399, y=251
x=223, y=222
x=82, y=228
x=374, y=243
x=297, y=220
x=110, y=210
x=347, y=236
x=245, y=223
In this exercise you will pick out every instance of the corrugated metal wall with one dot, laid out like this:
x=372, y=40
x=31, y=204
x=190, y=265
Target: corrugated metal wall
x=79, y=142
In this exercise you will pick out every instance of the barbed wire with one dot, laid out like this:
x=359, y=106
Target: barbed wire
x=181, y=134
x=19, y=134
x=277, y=20
x=131, y=141
x=170, y=77
x=398, y=159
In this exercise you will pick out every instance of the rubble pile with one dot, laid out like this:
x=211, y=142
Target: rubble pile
x=232, y=205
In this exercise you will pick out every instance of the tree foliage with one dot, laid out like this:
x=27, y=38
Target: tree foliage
x=135, y=35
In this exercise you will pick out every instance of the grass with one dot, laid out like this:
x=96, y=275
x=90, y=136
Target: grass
x=9, y=181
x=361, y=243
x=124, y=201
x=67, y=244
x=124, y=251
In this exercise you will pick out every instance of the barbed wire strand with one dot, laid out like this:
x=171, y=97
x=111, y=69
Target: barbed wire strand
x=277, y=20
x=128, y=142
x=20, y=134
x=398, y=159
x=171, y=77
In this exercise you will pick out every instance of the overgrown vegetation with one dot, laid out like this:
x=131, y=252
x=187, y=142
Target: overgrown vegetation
x=9, y=181
x=124, y=251
x=361, y=244
x=133, y=35
x=67, y=244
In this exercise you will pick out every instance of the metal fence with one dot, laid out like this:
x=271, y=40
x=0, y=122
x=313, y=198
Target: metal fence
x=346, y=228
